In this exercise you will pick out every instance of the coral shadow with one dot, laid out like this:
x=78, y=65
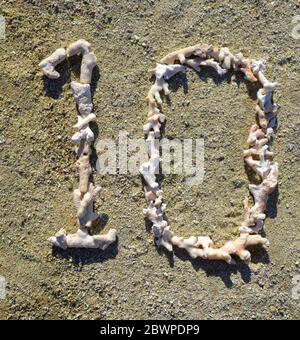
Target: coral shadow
x=272, y=204
x=54, y=88
x=180, y=80
x=81, y=257
x=223, y=270
x=99, y=224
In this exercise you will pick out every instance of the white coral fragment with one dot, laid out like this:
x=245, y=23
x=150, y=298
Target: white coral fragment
x=265, y=99
x=86, y=219
x=255, y=216
x=87, y=200
x=244, y=65
x=226, y=58
x=150, y=169
x=182, y=55
x=82, y=239
x=197, y=62
x=83, y=122
x=210, y=62
x=48, y=65
x=89, y=61
x=261, y=167
x=79, y=47
x=258, y=68
x=83, y=135
x=162, y=73
x=154, y=124
x=168, y=71
x=83, y=97
x=257, y=137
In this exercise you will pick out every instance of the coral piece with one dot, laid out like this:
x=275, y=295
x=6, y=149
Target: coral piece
x=79, y=47
x=240, y=245
x=257, y=156
x=83, y=97
x=48, y=65
x=202, y=247
x=226, y=58
x=183, y=54
x=168, y=71
x=89, y=61
x=192, y=244
x=83, y=122
x=84, y=169
x=197, y=62
x=87, y=200
x=261, y=192
x=265, y=95
x=162, y=73
x=255, y=216
x=261, y=167
x=82, y=239
x=86, y=220
x=214, y=53
x=245, y=66
x=154, y=124
x=257, y=137
x=256, y=152
x=265, y=99
x=194, y=63
x=262, y=118
x=258, y=68
x=210, y=62
x=150, y=169
x=83, y=135
x=156, y=216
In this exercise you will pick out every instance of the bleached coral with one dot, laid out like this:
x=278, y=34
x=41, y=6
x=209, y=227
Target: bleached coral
x=197, y=62
x=255, y=216
x=168, y=71
x=85, y=220
x=83, y=97
x=245, y=66
x=183, y=54
x=84, y=169
x=87, y=200
x=262, y=167
x=257, y=156
x=162, y=73
x=82, y=239
x=85, y=134
x=85, y=195
x=149, y=170
x=89, y=61
x=226, y=58
x=266, y=110
x=265, y=99
x=257, y=137
x=79, y=47
x=48, y=65
x=258, y=68
x=83, y=122
x=154, y=124
x=210, y=62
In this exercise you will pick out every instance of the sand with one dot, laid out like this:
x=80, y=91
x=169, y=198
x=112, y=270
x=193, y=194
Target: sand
x=133, y=279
